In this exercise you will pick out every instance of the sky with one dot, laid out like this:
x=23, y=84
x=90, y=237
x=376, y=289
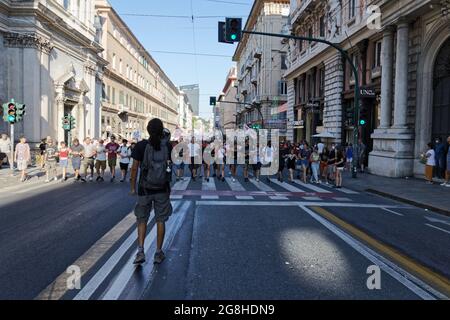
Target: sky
x=175, y=34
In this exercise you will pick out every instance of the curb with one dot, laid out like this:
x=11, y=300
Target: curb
x=411, y=202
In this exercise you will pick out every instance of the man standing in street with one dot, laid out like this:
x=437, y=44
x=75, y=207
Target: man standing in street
x=5, y=149
x=194, y=152
x=50, y=160
x=111, y=149
x=152, y=157
x=76, y=152
x=88, y=159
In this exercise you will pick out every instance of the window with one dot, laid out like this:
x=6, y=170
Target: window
x=103, y=92
x=351, y=9
x=114, y=61
x=322, y=82
x=113, y=96
x=283, y=61
x=120, y=66
x=282, y=88
x=322, y=26
x=377, y=55
x=66, y=4
x=108, y=93
x=128, y=72
x=121, y=98
x=310, y=34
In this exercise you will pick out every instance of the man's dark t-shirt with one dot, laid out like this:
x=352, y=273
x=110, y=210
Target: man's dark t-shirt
x=138, y=155
x=332, y=156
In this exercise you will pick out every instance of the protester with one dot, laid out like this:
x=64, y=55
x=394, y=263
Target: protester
x=125, y=154
x=246, y=159
x=5, y=149
x=331, y=167
x=22, y=157
x=40, y=159
x=63, y=154
x=349, y=157
x=291, y=161
x=430, y=163
x=88, y=161
x=268, y=153
x=282, y=155
x=221, y=162
x=76, y=152
x=257, y=164
x=100, y=161
x=361, y=155
x=112, y=149
x=153, y=158
x=340, y=164
x=50, y=155
x=315, y=165
x=194, y=153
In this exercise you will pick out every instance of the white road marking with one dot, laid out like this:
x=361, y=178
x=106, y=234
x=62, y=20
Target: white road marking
x=172, y=226
x=311, y=186
x=182, y=184
x=431, y=219
x=286, y=186
x=409, y=281
x=209, y=186
x=263, y=187
x=347, y=191
x=393, y=212
x=312, y=198
x=89, y=289
x=236, y=186
x=431, y=226
x=342, y=199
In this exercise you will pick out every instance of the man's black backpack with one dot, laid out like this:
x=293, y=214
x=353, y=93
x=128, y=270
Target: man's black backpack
x=154, y=167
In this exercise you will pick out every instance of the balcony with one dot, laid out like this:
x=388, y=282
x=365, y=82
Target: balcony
x=303, y=10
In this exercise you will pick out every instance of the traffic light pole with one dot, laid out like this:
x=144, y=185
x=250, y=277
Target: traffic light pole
x=355, y=73
x=11, y=159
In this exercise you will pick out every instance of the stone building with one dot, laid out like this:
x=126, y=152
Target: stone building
x=135, y=88
x=402, y=62
x=185, y=112
x=260, y=63
x=226, y=112
x=50, y=61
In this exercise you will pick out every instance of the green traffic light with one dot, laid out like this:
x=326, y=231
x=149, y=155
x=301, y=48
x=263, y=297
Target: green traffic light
x=233, y=37
x=362, y=122
x=11, y=118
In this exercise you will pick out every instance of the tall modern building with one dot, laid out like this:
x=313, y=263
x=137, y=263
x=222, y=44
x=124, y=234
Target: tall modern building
x=193, y=93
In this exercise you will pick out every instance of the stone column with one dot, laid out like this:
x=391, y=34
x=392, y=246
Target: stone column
x=386, y=77
x=401, y=76
x=59, y=114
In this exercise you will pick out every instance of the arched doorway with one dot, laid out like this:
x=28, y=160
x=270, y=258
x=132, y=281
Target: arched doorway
x=441, y=94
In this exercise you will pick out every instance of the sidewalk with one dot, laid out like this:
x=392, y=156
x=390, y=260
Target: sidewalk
x=7, y=179
x=411, y=190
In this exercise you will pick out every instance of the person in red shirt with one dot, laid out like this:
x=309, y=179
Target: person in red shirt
x=112, y=149
x=63, y=154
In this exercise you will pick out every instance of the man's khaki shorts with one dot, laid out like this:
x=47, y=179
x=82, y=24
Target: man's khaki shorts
x=158, y=201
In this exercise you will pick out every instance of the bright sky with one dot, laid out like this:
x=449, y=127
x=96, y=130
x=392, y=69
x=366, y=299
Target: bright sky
x=178, y=35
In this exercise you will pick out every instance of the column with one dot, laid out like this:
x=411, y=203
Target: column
x=401, y=76
x=387, y=53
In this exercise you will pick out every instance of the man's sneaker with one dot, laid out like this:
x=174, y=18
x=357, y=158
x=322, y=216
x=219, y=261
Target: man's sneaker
x=140, y=258
x=257, y=179
x=159, y=257
x=112, y=179
x=98, y=179
x=448, y=185
x=83, y=180
x=444, y=184
x=223, y=179
x=90, y=179
x=246, y=180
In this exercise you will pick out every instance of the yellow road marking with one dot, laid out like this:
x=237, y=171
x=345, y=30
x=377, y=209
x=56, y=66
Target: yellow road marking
x=438, y=281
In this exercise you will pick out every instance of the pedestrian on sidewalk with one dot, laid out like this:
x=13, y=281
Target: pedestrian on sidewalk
x=112, y=148
x=361, y=155
x=125, y=154
x=349, y=157
x=153, y=158
x=324, y=165
x=88, y=159
x=22, y=156
x=331, y=167
x=430, y=164
x=315, y=165
x=5, y=149
x=340, y=164
x=283, y=152
x=179, y=164
x=100, y=161
x=50, y=155
x=76, y=153
x=440, y=155
x=447, y=171
x=63, y=155
x=40, y=157
x=291, y=163
x=268, y=153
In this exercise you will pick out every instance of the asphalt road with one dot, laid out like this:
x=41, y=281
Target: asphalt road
x=225, y=240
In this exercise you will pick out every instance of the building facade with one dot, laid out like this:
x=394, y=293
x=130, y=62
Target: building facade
x=401, y=68
x=135, y=89
x=50, y=61
x=185, y=112
x=193, y=93
x=261, y=62
x=226, y=112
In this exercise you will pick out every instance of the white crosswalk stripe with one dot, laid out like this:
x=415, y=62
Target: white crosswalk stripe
x=209, y=186
x=237, y=186
x=311, y=186
x=286, y=186
x=180, y=186
x=263, y=187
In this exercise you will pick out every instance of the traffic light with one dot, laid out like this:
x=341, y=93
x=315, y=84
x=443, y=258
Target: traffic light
x=11, y=113
x=221, y=30
x=212, y=101
x=20, y=111
x=363, y=115
x=66, y=123
x=233, y=29
x=72, y=123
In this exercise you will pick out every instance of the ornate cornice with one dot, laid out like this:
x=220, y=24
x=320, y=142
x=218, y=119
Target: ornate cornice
x=28, y=40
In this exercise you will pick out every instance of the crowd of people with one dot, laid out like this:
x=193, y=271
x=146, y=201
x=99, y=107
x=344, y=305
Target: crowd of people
x=301, y=160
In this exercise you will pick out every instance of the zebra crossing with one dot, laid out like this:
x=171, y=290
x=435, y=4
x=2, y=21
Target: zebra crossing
x=254, y=190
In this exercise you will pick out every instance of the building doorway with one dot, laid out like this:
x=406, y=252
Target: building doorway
x=441, y=94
